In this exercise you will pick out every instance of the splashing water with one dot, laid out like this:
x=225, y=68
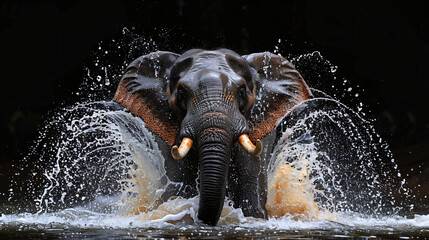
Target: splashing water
x=100, y=168
x=119, y=179
x=290, y=189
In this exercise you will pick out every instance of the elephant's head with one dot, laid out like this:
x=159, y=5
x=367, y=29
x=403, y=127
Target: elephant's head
x=209, y=100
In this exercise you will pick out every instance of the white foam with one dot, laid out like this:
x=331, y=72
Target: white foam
x=81, y=218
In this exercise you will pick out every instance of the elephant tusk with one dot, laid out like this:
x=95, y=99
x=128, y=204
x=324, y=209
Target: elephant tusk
x=248, y=145
x=180, y=152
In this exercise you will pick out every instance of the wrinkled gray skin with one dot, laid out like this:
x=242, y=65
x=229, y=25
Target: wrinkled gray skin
x=209, y=97
x=215, y=123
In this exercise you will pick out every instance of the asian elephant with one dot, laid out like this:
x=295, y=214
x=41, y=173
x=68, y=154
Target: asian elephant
x=213, y=105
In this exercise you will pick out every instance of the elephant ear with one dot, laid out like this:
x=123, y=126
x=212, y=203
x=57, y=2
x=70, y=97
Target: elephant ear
x=279, y=87
x=143, y=90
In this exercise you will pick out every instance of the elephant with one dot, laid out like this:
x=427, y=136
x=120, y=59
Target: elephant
x=222, y=110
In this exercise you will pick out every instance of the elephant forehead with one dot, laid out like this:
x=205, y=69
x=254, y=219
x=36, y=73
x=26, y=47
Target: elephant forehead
x=214, y=60
x=211, y=70
x=211, y=78
x=210, y=60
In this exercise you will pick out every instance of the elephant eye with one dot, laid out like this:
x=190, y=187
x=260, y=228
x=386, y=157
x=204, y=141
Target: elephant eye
x=242, y=96
x=182, y=97
x=178, y=71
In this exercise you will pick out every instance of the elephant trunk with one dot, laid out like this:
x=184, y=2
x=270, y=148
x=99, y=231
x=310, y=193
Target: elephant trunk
x=215, y=152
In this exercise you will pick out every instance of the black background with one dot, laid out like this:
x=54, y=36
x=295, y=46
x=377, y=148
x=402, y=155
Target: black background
x=380, y=46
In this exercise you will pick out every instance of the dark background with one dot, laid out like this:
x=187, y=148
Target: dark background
x=380, y=47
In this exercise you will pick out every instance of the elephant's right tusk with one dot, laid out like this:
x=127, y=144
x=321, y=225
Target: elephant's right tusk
x=248, y=145
x=180, y=152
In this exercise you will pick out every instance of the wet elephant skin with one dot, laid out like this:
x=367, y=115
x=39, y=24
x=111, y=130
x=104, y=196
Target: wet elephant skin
x=208, y=102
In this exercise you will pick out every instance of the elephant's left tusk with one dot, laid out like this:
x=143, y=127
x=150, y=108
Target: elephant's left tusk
x=180, y=152
x=248, y=145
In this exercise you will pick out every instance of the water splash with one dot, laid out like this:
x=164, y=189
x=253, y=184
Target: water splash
x=106, y=160
x=299, y=169
x=290, y=190
x=353, y=166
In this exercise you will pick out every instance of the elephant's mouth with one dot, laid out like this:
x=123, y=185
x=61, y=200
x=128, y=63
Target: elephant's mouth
x=244, y=140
